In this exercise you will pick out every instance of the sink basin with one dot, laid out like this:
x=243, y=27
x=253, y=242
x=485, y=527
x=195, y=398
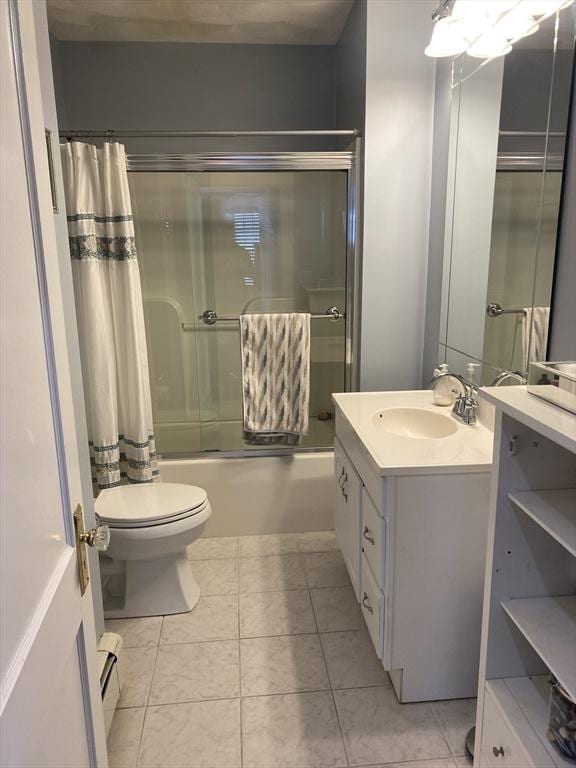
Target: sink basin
x=417, y=423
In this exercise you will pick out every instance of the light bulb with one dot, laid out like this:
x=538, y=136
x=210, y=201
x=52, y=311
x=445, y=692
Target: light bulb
x=446, y=40
x=488, y=46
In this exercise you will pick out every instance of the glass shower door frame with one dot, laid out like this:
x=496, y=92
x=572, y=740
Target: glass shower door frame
x=347, y=161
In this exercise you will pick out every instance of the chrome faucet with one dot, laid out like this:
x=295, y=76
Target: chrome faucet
x=465, y=404
x=516, y=375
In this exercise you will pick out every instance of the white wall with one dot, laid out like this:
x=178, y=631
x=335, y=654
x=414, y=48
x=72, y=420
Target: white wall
x=398, y=158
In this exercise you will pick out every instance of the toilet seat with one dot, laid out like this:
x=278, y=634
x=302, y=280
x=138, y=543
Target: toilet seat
x=150, y=504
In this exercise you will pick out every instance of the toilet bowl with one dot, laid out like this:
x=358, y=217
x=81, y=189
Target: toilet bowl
x=145, y=571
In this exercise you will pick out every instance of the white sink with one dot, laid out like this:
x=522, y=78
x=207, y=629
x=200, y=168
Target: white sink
x=417, y=423
x=405, y=433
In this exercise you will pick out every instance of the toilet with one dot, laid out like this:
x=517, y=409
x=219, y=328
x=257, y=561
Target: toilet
x=145, y=571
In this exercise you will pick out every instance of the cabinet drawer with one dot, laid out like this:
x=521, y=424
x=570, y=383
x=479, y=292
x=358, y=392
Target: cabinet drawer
x=502, y=722
x=373, y=538
x=372, y=605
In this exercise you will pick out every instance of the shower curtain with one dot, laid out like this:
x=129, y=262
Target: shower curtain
x=110, y=314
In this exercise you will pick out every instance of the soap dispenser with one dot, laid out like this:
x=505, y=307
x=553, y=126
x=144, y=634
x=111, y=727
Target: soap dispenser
x=442, y=393
x=471, y=370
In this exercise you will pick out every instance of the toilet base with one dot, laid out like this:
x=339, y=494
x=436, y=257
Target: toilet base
x=154, y=588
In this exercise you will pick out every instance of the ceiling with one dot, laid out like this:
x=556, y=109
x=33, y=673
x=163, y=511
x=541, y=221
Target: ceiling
x=284, y=22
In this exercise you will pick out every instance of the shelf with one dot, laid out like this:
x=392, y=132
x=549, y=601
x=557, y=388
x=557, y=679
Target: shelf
x=549, y=625
x=532, y=696
x=554, y=510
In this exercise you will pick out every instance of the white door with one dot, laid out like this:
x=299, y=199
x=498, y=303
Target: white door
x=50, y=708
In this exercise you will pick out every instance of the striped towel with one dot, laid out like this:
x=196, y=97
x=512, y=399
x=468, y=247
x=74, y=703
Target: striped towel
x=535, y=334
x=275, y=377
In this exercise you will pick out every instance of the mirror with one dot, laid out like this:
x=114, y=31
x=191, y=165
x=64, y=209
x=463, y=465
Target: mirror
x=508, y=125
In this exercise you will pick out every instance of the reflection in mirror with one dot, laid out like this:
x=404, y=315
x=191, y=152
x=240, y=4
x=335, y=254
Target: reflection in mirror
x=508, y=124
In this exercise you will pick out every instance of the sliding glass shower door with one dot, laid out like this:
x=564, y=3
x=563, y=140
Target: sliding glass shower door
x=233, y=242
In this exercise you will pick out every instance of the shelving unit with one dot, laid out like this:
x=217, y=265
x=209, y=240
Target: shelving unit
x=524, y=700
x=529, y=624
x=549, y=625
x=554, y=510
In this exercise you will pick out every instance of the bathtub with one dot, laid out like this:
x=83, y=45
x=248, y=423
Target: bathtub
x=263, y=494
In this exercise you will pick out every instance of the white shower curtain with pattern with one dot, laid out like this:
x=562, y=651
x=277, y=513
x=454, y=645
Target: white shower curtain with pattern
x=110, y=314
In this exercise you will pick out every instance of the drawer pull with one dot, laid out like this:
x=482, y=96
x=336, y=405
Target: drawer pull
x=342, y=480
x=366, y=535
x=498, y=751
x=366, y=604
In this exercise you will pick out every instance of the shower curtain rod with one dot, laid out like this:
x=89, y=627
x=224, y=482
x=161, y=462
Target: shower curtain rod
x=101, y=133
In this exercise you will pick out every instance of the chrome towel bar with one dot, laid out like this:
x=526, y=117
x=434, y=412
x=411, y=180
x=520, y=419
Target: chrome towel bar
x=210, y=317
x=495, y=310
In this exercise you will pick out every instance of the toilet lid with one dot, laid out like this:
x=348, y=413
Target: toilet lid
x=149, y=503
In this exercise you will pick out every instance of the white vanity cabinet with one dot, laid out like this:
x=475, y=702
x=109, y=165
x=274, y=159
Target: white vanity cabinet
x=413, y=539
x=529, y=621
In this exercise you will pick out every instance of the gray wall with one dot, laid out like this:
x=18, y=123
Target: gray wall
x=351, y=70
x=189, y=86
x=562, y=344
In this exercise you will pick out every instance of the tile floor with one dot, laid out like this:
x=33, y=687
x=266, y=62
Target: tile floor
x=273, y=669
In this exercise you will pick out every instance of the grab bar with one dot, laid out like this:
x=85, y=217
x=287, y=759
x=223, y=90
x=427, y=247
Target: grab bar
x=210, y=317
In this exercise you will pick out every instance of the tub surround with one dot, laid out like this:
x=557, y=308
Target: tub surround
x=411, y=519
x=261, y=495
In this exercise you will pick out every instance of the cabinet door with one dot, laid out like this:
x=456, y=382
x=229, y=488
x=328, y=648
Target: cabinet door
x=347, y=513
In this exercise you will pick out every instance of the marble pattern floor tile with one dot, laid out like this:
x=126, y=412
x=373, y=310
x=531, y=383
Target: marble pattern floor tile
x=189, y=670
x=213, y=618
x=318, y=541
x=336, y=609
x=211, y=549
x=456, y=718
x=269, y=544
x=136, y=633
x=124, y=737
x=282, y=665
x=271, y=573
x=379, y=730
x=216, y=577
x=298, y=730
x=202, y=734
x=196, y=672
x=351, y=660
x=138, y=666
x=441, y=763
x=325, y=569
x=264, y=614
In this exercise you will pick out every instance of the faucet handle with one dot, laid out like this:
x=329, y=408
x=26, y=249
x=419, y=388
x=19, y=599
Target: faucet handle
x=465, y=408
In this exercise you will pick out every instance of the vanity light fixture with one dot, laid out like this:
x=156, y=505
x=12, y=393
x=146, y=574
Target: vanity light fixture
x=485, y=29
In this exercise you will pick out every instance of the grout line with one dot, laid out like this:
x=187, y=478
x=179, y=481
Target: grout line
x=141, y=738
x=441, y=728
x=262, y=696
x=340, y=730
x=239, y=654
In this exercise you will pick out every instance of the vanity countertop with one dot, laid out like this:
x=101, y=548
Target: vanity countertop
x=468, y=448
